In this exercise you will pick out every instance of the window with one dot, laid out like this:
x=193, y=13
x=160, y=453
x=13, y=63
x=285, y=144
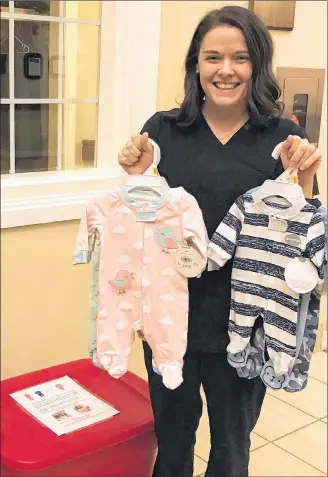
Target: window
x=69, y=103
x=49, y=84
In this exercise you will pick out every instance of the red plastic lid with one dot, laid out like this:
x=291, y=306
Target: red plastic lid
x=26, y=444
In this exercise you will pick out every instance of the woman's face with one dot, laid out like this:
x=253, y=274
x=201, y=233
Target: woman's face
x=224, y=66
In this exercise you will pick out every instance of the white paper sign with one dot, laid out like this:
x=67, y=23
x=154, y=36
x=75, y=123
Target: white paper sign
x=63, y=406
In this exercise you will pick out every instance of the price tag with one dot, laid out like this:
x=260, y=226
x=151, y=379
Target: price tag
x=189, y=262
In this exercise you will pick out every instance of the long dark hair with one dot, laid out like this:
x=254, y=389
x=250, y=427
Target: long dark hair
x=263, y=91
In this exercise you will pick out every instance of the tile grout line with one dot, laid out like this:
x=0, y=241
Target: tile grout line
x=284, y=435
x=317, y=379
x=201, y=458
x=274, y=442
x=268, y=441
x=259, y=435
x=261, y=446
x=296, y=430
x=299, y=458
x=291, y=405
x=280, y=448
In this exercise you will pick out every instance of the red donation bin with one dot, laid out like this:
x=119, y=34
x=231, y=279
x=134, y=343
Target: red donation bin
x=123, y=446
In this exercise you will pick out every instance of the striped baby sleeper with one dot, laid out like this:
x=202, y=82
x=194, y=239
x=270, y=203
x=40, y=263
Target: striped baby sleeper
x=261, y=253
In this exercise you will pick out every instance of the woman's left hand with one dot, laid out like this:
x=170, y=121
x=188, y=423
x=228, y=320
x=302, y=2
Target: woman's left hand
x=298, y=153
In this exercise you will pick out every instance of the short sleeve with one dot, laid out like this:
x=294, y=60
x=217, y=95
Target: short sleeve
x=193, y=226
x=86, y=236
x=152, y=127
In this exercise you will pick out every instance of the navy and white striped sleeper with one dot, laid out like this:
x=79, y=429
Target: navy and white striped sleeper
x=258, y=285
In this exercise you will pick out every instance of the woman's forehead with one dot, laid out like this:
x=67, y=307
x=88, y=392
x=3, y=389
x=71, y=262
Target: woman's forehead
x=224, y=37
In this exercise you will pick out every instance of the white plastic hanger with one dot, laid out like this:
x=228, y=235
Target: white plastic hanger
x=281, y=187
x=150, y=178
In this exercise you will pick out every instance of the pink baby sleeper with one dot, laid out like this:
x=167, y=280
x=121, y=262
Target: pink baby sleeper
x=138, y=282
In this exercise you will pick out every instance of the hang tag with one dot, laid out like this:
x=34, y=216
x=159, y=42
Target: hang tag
x=146, y=215
x=278, y=225
x=301, y=275
x=188, y=261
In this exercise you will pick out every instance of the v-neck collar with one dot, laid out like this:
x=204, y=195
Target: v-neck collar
x=233, y=138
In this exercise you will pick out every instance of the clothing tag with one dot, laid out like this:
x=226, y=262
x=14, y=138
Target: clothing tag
x=301, y=275
x=146, y=215
x=292, y=239
x=188, y=261
x=279, y=225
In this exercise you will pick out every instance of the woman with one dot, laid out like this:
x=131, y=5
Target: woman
x=217, y=146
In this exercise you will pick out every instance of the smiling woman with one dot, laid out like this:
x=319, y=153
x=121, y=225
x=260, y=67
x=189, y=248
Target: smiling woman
x=219, y=144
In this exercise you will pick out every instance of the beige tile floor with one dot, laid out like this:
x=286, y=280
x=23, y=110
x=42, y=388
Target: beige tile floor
x=290, y=439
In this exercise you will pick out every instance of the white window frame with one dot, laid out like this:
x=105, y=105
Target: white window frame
x=127, y=98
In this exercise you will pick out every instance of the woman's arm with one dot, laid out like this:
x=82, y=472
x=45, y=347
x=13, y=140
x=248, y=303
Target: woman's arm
x=307, y=185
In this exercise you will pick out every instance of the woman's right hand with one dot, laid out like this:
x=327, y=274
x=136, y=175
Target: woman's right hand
x=138, y=154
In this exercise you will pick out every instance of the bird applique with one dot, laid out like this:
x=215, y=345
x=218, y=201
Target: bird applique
x=165, y=237
x=122, y=281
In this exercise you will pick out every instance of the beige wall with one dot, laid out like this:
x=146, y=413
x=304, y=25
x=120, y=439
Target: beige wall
x=44, y=299
x=44, y=302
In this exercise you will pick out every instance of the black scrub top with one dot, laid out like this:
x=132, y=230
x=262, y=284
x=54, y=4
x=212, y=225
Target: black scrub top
x=216, y=174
